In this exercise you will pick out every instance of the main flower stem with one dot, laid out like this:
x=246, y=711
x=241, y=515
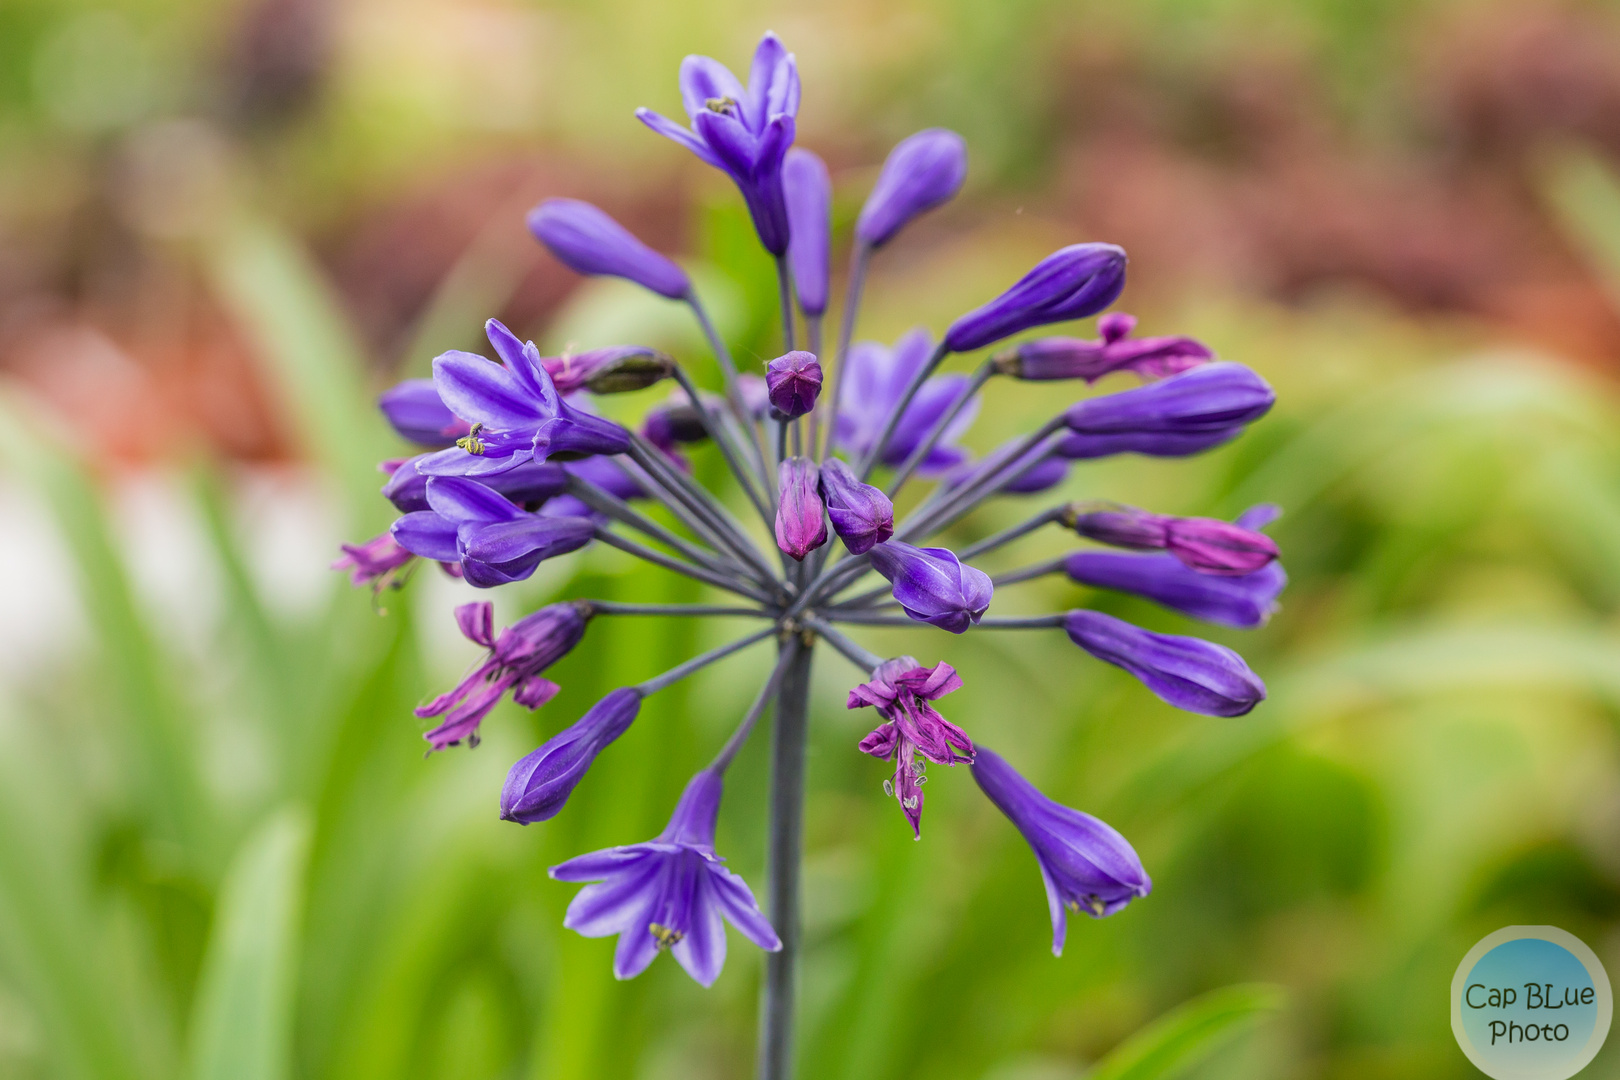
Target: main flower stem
x=784, y=857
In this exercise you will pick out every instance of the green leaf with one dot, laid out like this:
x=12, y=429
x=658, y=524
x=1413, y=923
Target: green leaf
x=1188, y=1034
x=242, y=1020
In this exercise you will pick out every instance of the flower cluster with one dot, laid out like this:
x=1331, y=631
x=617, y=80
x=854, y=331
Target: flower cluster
x=516, y=466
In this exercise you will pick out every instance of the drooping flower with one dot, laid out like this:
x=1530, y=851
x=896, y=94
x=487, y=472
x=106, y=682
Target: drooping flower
x=808, y=191
x=933, y=585
x=874, y=382
x=588, y=241
x=494, y=541
x=514, y=662
x=375, y=562
x=527, y=485
x=1208, y=545
x=801, y=524
x=1077, y=358
x=671, y=892
x=414, y=410
x=1183, y=414
x=1073, y=283
x=793, y=382
x=538, y=786
x=900, y=690
x=1189, y=673
x=921, y=172
x=861, y=514
x=515, y=410
x=1085, y=863
x=1242, y=602
x=743, y=133
x=616, y=369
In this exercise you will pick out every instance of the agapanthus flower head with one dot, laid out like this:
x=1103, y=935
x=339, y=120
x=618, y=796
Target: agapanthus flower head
x=744, y=133
x=528, y=485
x=414, y=410
x=793, y=382
x=1085, y=863
x=808, y=191
x=1183, y=414
x=861, y=514
x=921, y=172
x=1242, y=602
x=1208, y=545
x=1077, y=358
x=933, y=585
x=494, y=542
x=901, y=690
x=671, y=892
x=514, y=662
x=1189, y=673
x=875, y=380
x=516, y=412
x=587, y=240
x=801, y=523
x=538, y=786
x=616, y=369
x=1074, y=283
x=376, y=562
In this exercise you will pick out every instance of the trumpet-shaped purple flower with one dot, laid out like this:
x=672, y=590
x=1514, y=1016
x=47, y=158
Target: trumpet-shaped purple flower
x=375, y=562
x=587, y=241
x=494, y=541
x=743, y=133
x=801, y=524
x=901, y=690
x=921, y=172
x=875, y=381
x=1183, y=414
x=1073, y=283
x=1242, y=602
x=1189, y=673
x=1086, y=865
x=538, y=786
x=1208, y=545
x=616, y=369
x=414, y=410
x=793, y=382
x=514, y=662
x=933, y=585
x=528, y=485
x=861, y=514
x=516, y=412
x=808, y=191
x=1077, y=358
x=671, y=892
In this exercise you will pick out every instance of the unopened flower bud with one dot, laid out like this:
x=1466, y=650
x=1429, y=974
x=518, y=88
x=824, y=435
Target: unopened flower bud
x=538, y=786
x=613, y=370
x=801, y=524
x=809, y=201
x=1073, y=283
x=921, y=172
x=588, y=241
x=933, y=585
x=861, y=514
x=793, y=382
x=1181, y=415
x=1189, y=673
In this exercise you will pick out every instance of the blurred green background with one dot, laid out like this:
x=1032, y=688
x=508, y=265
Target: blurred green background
x=224, y=226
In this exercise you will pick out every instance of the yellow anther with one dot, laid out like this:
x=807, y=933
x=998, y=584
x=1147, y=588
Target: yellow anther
x=666, y=937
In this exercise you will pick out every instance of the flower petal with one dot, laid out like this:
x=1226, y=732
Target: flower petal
x=669, y=129
x=736, y=902
x=703, y=79
x=483, y=392
x=702, y=951
x=463, y=501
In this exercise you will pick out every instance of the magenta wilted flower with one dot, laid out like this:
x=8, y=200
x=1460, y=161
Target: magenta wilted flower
x=1085, y=864
x=668, y=893
x=921, y=172
x=933, y=585
x=900, y=690
x=801, y=522
x=538, y=786
x=1184, y=414
x=1208, y=545
x=1076, y=358
x=808, y=191
x=613, y=370
x=1189, y=673
x=414, y=410
x=515, y=661
x=588, y=241
x=793, y=381
x=860, y=513
x=375, y=562
x=1073, y=283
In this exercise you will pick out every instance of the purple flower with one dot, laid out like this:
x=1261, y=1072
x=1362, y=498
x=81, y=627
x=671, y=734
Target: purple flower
x=801, y=524
x=1243, y=602
x=901, y=690
x=613, y=370
x=494, y=541
x=743, y=133
x=1040, y=470
x=1073, y=283
x=793, y=382
x=1208, y=545
x=808, y=191
x=933, y=585
x=1181, y=415
x=1076, y=358
x=528, y=485
x=1186, y=672
x=538, y=786
x=875, y=380
x=1085, y=864
x=861, y=514
x=414, y=410
x=587, y=241
x=671, y=893
x=516, y=412
x=514, y=662
x=375, y=562
x=921, y=172
x=1045, y=473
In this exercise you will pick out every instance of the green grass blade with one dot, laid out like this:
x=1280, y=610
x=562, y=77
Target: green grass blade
x=1189, y=1034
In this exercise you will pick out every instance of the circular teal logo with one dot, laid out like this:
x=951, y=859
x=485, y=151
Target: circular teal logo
x=1531, y=1003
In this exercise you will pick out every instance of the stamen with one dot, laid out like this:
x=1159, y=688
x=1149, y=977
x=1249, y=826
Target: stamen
x=470, y=442
x=666, y=937
x=725, y=106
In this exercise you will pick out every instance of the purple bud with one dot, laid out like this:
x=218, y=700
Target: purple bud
x=861, y=514
x=539, y=784
x=933, y=585
x=414, y=409
x=613, y=370
x=1086, y=864
x=809, y=210
x=1116, y=326
x=793, y=381
x=921, y=172
x=588, y=241
x=1073, y=283
x=1181, y=415
x=1186, y=672
x=801, y=524
x=1208, y=545
x=1242, y=602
